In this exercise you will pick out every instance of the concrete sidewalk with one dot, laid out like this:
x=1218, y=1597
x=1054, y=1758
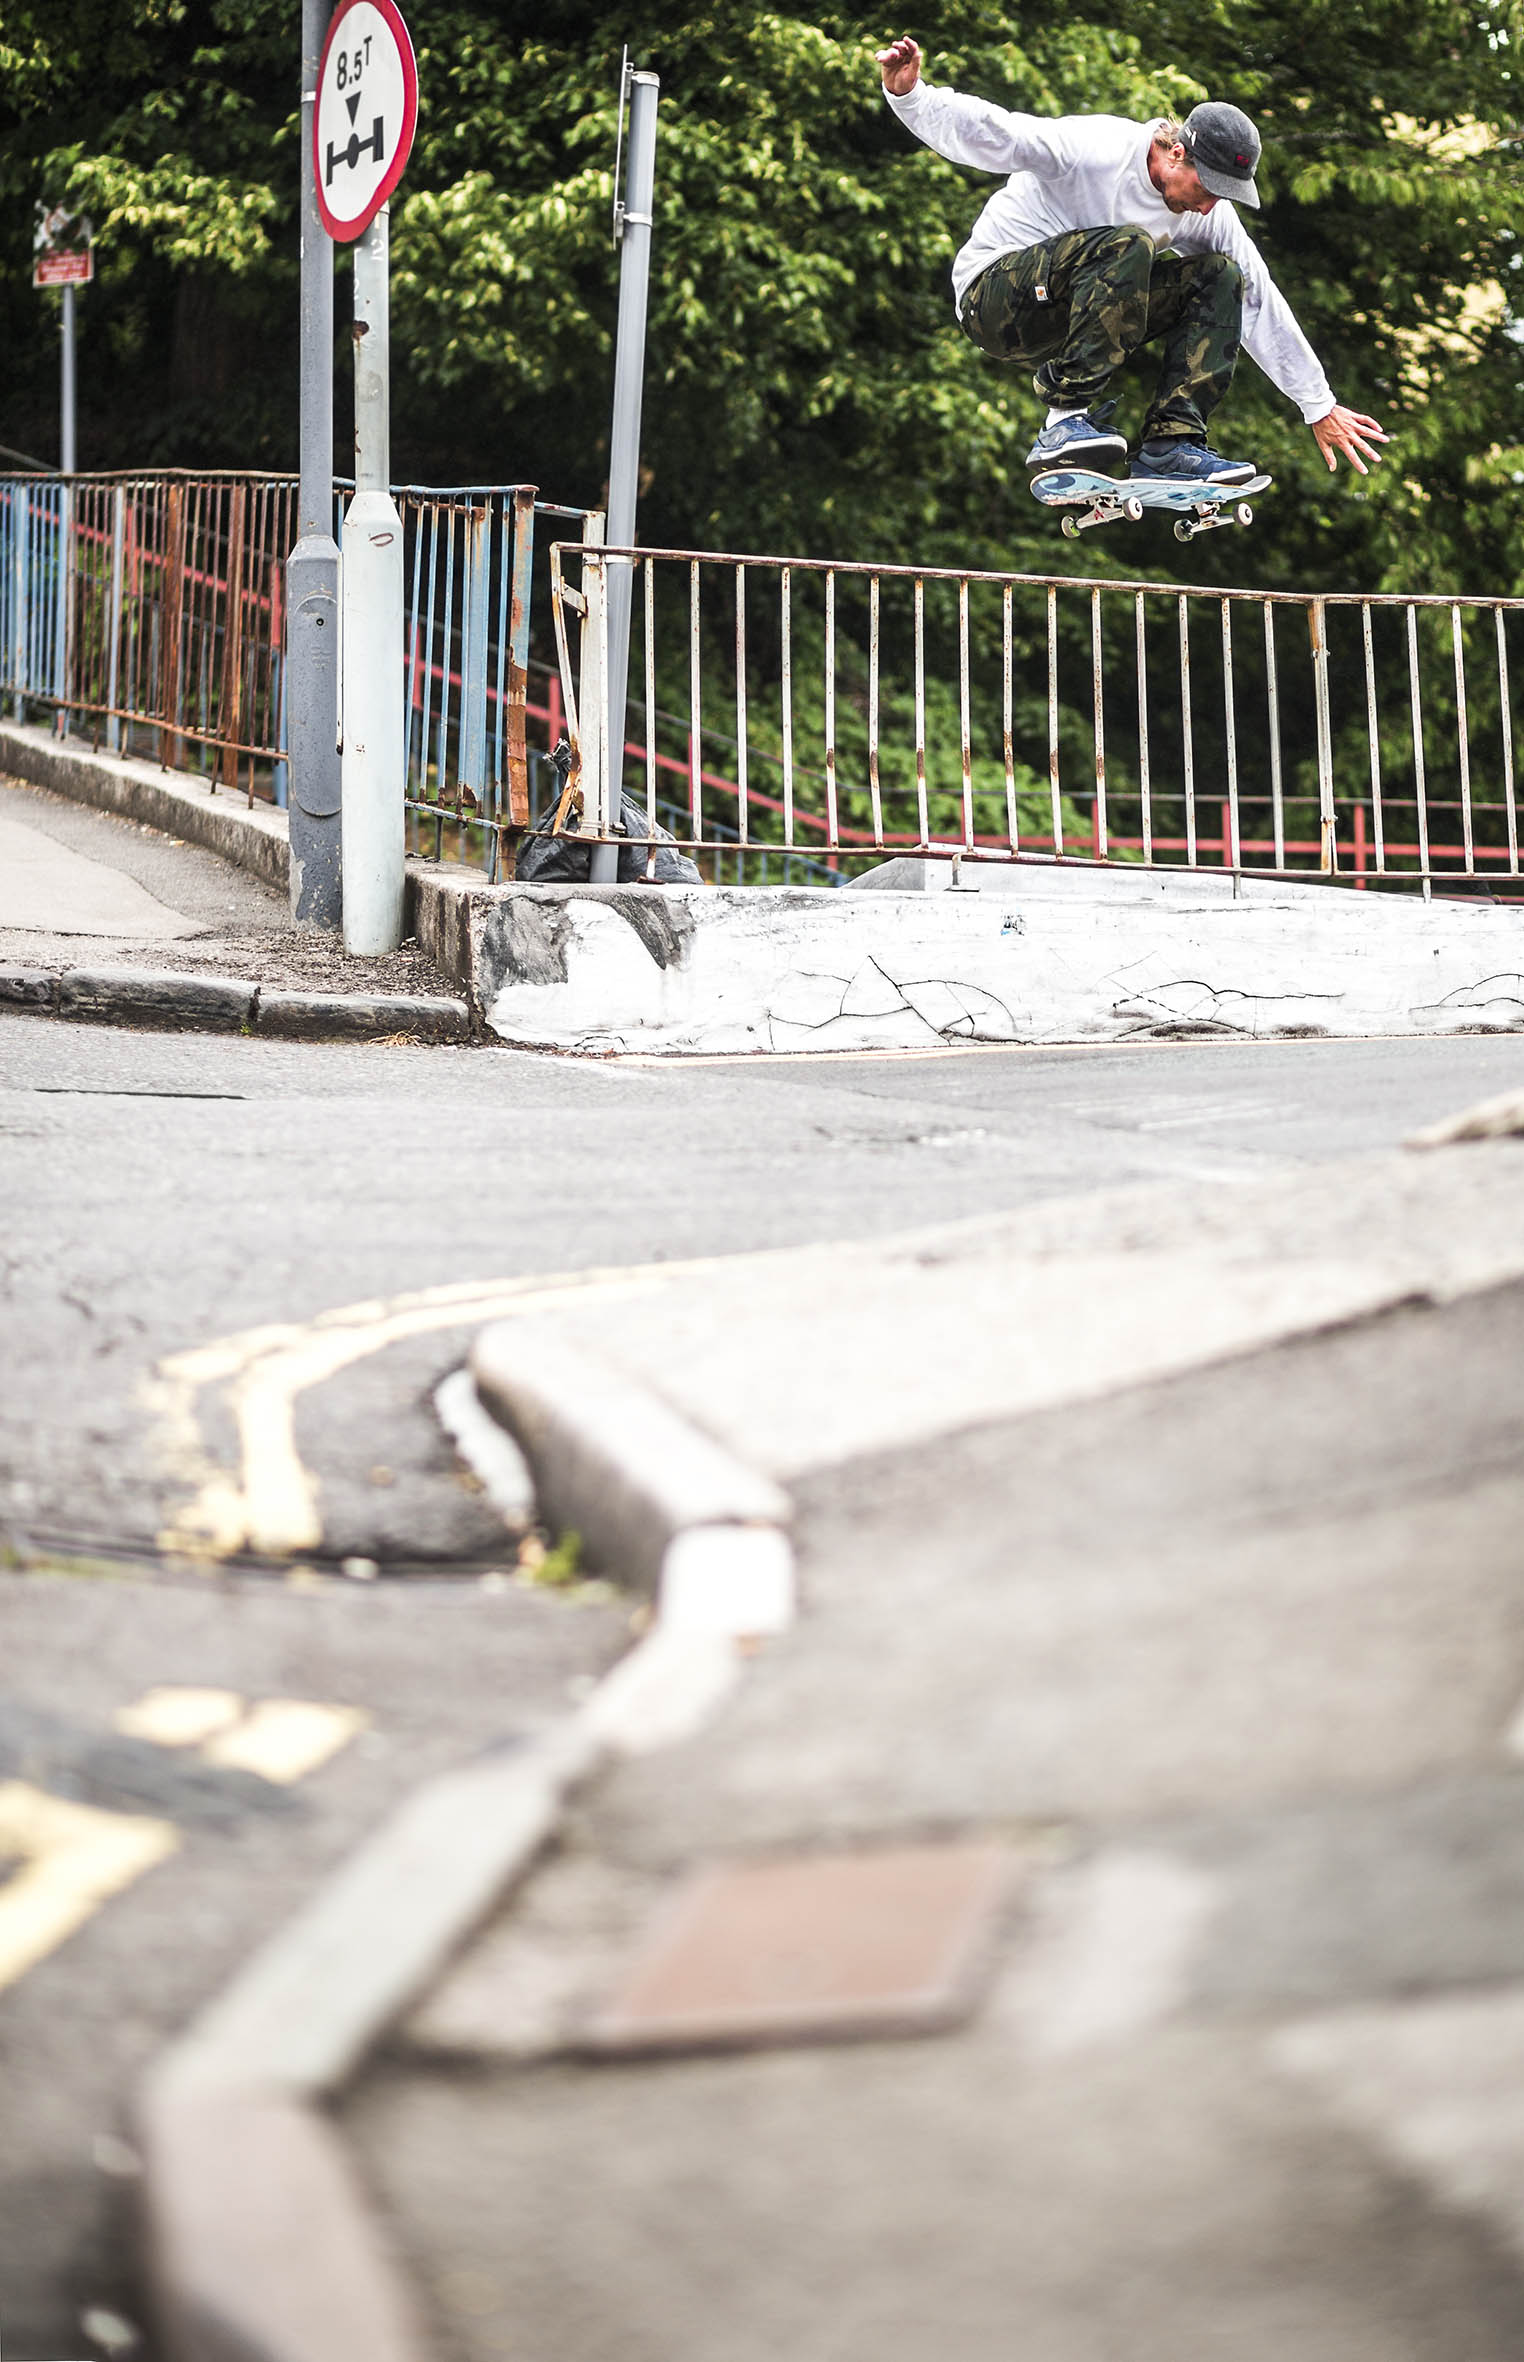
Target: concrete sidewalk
x=109, y=918
x=1227, y=1669
x=1147, y=1747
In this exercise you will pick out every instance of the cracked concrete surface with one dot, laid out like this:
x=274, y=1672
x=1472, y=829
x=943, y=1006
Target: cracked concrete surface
x=1018, y=961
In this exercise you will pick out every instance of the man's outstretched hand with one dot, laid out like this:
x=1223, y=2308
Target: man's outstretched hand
x=900, y=65
x=1351, y=432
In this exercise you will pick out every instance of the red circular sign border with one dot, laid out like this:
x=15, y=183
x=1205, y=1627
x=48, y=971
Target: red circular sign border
x=345, y=233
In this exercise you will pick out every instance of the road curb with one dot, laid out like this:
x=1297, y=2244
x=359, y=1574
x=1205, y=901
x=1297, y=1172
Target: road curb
x=258, y=2245
x=644, y=1488
x=232, y=1004
x=341, y=1016
x=155, y=996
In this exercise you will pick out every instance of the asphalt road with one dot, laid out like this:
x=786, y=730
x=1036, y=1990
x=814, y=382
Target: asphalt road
x=167, y=1194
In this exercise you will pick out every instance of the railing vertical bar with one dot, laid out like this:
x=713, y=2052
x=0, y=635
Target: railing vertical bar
x=1145, y=786
x=650, y=693
x=1463, y=740
x=830, y=707
x=1416, y=707
x=923, y=821
x=965, y=722
x=20, y=554
x=743, y=813
x=875, y=793
x=1273, y=715
x=1054, y=796
x=492, y=798
x=431, y=615
x=114, y=616
x=518, y=656
x=1327, y=819
x=1506, y=717
x=1187, y=738
x=1098, y=690
x=1007, y=713
x=786, y=588
x=442, y=726
x=1373, y=732
x=414, y=684
x=695, y=702
x=173, y=576
x=1230, y=725
x=231, y=707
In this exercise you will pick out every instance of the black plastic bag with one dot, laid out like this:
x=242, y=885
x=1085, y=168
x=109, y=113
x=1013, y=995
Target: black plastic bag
x=552, y=854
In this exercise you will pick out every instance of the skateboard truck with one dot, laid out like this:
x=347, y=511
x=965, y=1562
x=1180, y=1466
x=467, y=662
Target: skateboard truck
x=1207, y=520
x=1102, y=512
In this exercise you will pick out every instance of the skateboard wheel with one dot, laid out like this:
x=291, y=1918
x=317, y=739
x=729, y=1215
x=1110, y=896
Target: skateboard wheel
x=1184, y=531
x=1069, y=528
x=1244, y=513
x=1133, y=508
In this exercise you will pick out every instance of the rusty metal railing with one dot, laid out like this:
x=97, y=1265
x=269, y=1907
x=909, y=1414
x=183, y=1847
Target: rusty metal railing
x=149, y=608
x=988, y=717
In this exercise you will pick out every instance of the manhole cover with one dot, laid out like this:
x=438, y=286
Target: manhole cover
x=826, y=1946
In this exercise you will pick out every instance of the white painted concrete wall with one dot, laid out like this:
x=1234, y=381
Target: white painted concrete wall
x=1033, y=956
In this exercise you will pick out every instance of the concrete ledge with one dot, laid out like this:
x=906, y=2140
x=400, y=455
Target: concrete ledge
x=1036, y=956
x=149, y=996
x=609, y=1458
x=344, y=1016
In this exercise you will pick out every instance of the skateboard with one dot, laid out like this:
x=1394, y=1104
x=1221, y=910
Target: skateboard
x=1198, y=508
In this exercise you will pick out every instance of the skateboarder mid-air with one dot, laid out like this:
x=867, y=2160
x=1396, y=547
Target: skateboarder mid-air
x=1109, y=235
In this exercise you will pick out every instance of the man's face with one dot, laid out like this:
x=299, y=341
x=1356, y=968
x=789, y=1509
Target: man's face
x=1175, y=178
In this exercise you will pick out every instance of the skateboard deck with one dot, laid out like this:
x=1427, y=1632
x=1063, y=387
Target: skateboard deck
x=1197, y=508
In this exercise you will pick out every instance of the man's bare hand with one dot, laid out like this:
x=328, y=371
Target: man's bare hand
x=1351, y=432
x=900, y=65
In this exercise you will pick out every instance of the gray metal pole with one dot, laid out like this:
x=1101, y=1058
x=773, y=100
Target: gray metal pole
x=312, y=570
x=66, y=387
x=624, y=440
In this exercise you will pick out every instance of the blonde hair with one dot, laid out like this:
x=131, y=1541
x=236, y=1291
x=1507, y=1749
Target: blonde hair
x=1170, y=134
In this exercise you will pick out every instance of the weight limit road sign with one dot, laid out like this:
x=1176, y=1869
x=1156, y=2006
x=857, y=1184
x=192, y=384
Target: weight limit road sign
x=366, y=111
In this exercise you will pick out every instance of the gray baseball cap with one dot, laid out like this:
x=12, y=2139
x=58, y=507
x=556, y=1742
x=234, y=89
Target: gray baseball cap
x=1224, y=147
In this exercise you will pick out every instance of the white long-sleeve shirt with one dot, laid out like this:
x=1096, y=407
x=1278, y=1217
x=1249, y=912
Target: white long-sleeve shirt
x=1088, y=172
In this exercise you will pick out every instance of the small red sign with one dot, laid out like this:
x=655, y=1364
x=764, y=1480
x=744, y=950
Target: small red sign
x=59, y=270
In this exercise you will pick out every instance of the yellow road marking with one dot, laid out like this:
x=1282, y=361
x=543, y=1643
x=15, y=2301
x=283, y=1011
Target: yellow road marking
x=73, y=1857
x=285, y=1738
x=179, y=1717
x=270, y=1504
x=280, y=1738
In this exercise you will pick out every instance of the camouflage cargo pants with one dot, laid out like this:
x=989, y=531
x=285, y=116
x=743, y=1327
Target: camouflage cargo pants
x=1080, y=303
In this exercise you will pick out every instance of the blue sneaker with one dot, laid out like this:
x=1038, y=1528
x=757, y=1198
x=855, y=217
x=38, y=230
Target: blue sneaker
x=1179, y=462
x=1084, y=439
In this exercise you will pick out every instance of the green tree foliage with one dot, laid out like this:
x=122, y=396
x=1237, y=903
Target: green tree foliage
x=807, y=387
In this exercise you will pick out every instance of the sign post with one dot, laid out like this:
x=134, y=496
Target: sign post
x=367, y=108
x=632, y=220
x=312, y=569
x=63, y=256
